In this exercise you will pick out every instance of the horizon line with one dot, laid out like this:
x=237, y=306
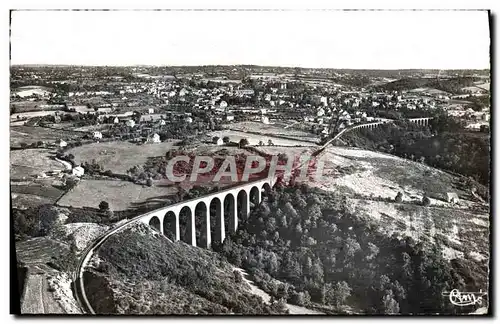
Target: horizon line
x=242, y=65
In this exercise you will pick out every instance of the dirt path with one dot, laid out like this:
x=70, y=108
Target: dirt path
x=294, y=309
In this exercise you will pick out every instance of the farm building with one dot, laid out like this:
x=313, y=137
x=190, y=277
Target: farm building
x=61, y=143
x=97, y=135
x=452, y=197
x=154, y=139
x=78, y=171
x=130, y=123
x=217, y=140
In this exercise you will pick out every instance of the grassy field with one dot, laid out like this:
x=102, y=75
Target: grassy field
x=119, y=156
x=39, y=250
x=121, y=195
x=24, y=163
x=30, y=134
x=253, y=139
x=30, y=194
x=278, y=128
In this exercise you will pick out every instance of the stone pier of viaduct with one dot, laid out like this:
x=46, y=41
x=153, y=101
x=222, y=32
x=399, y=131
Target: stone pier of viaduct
x=420, y=121
x=191, y=220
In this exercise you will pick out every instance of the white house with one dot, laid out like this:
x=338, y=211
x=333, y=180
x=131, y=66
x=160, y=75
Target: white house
x=97, y=135
x=452, y=197
x=151, y=111
x=155, y=138
x=162, y=122
x=265, y=120
x=116, y=120
x=223, y=104
x=320, y=112
x=324, y=101
x=78, y=171
x=217, y=140
x=62, y=143
x=189, y=120
x=130, y=123
x=229, y=117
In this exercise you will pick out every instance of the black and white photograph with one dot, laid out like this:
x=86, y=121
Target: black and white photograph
x=250, y=162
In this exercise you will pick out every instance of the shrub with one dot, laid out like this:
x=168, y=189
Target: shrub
x=426, y=201
x=104, y=205
x=237, y=276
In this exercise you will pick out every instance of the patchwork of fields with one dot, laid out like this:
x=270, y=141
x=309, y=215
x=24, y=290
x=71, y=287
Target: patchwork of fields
x=119, y=156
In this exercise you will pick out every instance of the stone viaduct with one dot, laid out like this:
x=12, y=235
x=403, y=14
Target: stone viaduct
x=190, y=220
x=420, y=121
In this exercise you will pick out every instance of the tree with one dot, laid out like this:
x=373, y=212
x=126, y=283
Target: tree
x=103, y=206
x=70, y=183
x=270, y=143
x=399, y=197
x=149, y=182
x=225, y=139
x=243, y=142
x=337, y=294
x=389, y=304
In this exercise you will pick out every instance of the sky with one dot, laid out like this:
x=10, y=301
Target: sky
x=316, y=39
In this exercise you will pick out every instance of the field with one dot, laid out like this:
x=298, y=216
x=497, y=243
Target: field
x=31, y=114
x=25, y=163
x=39, y=250
x=119, y=156
x=30, y=134
x=277, y=128
x=253, y=139
x=121, y=195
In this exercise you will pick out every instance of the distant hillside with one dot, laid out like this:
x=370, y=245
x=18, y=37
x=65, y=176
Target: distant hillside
x=452, y=85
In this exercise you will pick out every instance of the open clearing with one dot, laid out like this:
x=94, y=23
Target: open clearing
x=119, y=156
x=121, y=195
x=366, y=178
x=253, y=139
x=33, y=134
x=276, y=128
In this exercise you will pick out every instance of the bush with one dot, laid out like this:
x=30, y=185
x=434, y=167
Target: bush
x=238, y=277
x=104, y=205
x=426, y=201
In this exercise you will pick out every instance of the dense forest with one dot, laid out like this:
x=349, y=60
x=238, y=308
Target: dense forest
x=323, y=254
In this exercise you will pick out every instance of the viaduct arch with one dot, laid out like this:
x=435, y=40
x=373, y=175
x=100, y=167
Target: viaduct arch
x=421, y=121
x=200, y=221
